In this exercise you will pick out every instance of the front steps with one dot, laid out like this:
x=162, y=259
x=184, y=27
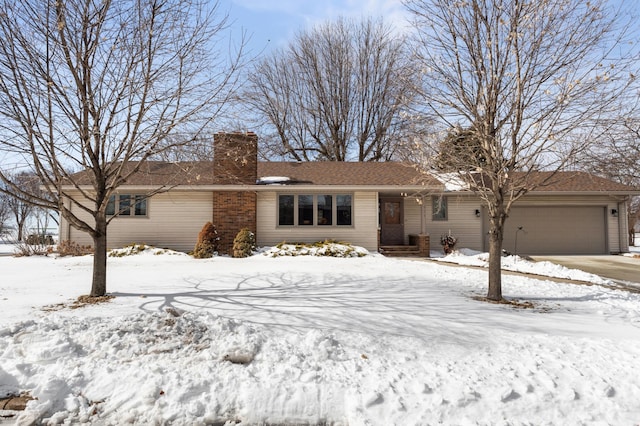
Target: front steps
x=400, y=251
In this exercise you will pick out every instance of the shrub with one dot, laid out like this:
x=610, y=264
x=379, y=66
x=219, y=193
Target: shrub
x=207, y=244
x=71, y=248
x=448, y=243
x=328, y=248
x=26, y=249
x=244, y=243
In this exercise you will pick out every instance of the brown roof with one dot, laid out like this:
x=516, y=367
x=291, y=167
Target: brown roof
x=158, y=173
x=574, y=182
x=347, y=173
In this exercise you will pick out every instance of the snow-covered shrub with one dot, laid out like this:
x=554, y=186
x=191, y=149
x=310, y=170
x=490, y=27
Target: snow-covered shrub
x=129, y=250
x=244, y=243
x=321, y=248
x=207, y=244
x=448, y=243
x=136, y=249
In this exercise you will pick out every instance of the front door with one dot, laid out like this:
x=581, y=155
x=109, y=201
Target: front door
x=391, y=221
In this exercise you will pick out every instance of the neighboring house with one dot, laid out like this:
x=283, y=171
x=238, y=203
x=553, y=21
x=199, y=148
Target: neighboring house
x=374, y=205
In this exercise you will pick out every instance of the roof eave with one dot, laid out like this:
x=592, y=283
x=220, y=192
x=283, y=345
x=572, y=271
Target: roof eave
x=605, y=192
x=267, y=188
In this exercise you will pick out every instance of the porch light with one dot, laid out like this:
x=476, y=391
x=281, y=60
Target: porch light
x=477, y=213
x=614, y=212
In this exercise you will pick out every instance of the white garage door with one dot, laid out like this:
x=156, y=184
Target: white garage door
x=555, y=230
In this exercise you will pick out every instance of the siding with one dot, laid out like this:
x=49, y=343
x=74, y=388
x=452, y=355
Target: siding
x=470, y=231
x=176, y=217
x=364, y=231
x=461, y=222
x=174, y=221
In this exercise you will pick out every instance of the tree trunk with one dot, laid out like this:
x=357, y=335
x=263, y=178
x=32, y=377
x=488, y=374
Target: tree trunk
x=99, y=282
x=496, y=236
x=20, y=231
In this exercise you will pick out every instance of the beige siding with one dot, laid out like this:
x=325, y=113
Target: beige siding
x=461, y=222
x=412, y=221
x=470, y=231
x=364, y=231
x=623, y=226
x=176, y=217
x=174, y=220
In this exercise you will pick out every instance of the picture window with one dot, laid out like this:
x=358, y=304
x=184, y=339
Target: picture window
x=315, y=210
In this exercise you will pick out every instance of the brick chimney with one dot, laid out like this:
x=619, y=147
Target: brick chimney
x=235, y=162
x=235, y=158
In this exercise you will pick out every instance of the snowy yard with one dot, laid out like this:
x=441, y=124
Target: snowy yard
x=314, y=340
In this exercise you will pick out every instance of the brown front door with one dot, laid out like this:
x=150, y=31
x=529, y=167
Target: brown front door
x=391, y=221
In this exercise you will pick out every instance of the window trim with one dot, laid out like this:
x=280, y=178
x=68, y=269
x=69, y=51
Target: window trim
x=315, y=225
x=135, y=200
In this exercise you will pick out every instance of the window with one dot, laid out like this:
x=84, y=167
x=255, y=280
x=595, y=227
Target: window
x=305, y=209
x=343, y=210
x=315, y=210
x=127, y=205
x=285, y=210
x=439, y=208
x=325, y=210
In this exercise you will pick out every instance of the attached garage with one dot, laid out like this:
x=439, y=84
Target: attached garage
x=555, y=230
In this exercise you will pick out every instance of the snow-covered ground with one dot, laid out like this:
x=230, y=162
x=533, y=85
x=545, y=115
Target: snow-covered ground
x=313, y=340
x=517, y=264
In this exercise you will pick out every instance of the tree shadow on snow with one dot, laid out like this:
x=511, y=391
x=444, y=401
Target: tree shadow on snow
x=396, y=307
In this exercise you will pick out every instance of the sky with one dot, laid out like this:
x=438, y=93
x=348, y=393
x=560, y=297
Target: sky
x=272, y=23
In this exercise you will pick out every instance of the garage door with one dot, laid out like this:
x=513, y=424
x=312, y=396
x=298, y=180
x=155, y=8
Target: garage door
x=555, y=230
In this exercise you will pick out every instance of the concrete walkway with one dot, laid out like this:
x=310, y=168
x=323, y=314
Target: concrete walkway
x=616, y=268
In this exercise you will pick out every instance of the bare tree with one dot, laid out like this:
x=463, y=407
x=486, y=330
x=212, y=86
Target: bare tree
x=617, y=157
x=336, y=93
x=5, y=212
x=100, y=86
x=528, y=79
x=21, y=208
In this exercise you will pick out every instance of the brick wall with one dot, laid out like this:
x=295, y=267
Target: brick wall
x=232, y=211
x=235, y=158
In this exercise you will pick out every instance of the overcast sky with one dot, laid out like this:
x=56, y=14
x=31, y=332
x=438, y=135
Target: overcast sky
x=272, y=23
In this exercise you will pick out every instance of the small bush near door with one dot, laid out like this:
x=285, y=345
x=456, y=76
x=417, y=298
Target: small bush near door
x=207, y=244
x=244, y=244
x=448, y=243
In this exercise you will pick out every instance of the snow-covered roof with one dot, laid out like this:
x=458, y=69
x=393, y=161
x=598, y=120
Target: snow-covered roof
x=273, y=180
x=451, y=181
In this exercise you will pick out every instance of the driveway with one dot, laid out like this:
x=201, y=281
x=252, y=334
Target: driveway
x=617, y=268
